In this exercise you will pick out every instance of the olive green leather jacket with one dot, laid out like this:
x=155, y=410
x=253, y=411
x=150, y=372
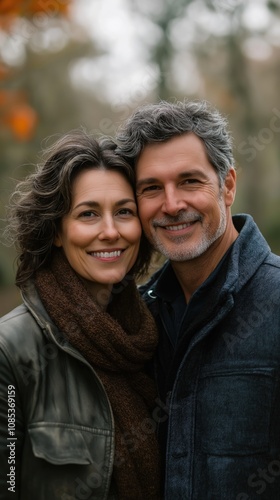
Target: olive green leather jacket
x=56, y=423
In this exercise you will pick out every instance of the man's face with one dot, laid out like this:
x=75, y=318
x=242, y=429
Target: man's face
x=182, y=208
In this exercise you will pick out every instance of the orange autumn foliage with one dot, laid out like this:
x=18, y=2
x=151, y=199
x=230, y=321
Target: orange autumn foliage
x=11, y=9
x=27, y=8
x=22, y=121
x=17, y=114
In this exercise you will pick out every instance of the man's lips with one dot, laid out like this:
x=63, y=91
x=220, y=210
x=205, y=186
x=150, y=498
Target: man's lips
x=180, y=223
x=178, y=227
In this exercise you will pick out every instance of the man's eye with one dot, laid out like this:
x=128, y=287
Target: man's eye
x=190, y=181
x=150, y=188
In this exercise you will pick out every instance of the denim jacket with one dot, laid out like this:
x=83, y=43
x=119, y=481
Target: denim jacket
x=223, y=437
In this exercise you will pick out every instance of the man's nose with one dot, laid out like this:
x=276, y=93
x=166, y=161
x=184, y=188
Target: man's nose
x=173, y=201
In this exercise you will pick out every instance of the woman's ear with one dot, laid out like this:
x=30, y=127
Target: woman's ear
x=57, y=241
x=230, y=187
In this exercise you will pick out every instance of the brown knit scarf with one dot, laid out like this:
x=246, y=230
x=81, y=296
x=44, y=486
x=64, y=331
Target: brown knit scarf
x=117, y=344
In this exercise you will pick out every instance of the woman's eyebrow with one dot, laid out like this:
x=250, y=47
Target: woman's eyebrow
x=96, y=204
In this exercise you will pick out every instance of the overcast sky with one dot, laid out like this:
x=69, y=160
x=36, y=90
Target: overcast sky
x=125, y=72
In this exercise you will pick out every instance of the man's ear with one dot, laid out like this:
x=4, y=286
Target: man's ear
x=230, y=187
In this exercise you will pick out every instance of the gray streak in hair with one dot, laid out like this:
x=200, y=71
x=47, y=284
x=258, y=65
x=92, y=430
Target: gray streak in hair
x=160, y=122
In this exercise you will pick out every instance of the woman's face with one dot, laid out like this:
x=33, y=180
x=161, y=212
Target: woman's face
x=100, y=235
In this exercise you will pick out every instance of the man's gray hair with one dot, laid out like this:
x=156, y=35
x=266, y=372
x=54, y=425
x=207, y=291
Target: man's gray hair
x=159, y=122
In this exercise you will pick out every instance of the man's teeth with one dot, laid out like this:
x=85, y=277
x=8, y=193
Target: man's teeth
x=178, y=227
x=107, y=255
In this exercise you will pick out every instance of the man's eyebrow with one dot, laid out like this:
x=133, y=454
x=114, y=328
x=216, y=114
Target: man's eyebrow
x=143, y=182
x=182, y=175
x=192, y=173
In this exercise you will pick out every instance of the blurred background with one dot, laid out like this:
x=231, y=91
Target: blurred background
x=71, y=63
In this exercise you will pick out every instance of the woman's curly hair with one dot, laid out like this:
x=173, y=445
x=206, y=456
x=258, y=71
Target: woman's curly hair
x=39, y=202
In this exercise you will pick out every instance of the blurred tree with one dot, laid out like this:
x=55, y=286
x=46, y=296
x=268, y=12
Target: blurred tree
x=242, y=89
x=16, y=113
x=162, y=13
x=226, y=51
x=233, y=57
x=38, y=100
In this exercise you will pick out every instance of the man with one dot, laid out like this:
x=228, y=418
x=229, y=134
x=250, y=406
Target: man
x=216, y=302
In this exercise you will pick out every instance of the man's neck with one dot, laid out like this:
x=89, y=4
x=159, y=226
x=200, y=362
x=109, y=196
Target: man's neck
x=192, y=273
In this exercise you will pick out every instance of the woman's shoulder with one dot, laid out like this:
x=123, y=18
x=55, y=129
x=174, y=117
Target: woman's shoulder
x=14, y=313
x=17, y=317
x=19, y=330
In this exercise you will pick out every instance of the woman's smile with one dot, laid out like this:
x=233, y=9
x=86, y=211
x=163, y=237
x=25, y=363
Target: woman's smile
x=100, y=235
x=107, y=255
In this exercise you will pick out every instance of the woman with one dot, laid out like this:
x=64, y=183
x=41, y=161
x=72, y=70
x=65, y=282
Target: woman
x=75, y=400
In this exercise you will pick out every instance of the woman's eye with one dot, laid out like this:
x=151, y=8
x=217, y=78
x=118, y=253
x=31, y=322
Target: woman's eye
x=125, y=211
x=88, y=213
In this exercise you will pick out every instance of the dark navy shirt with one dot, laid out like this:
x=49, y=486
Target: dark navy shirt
x=175, y=321
x=176, y=315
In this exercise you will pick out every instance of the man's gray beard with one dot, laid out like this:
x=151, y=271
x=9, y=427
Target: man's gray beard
x=181, y=253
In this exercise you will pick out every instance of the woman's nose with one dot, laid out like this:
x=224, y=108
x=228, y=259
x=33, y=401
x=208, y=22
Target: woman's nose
x=109, y=230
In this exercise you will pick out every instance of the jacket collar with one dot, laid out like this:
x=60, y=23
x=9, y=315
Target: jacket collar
x=249, y=250
x=34, y=304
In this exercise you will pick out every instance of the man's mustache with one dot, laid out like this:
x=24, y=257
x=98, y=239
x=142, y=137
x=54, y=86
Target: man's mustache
x=181, y=218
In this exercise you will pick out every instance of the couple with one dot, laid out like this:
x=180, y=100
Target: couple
x=108, y=398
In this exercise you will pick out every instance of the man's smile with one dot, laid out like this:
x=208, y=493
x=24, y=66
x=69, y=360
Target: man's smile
x=178, y=227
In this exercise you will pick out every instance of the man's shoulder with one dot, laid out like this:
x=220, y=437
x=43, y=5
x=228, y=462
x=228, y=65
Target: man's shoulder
x=273, y=260
x=271, y=270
